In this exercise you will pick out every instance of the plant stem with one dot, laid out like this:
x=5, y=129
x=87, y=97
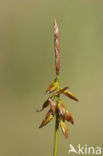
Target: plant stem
x=56, y=123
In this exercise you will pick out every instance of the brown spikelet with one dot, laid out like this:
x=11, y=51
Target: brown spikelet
x=61, y=108
x=70, y=95
x=52, y=87
x=64, y=129
x=46, y=103
x=48, y=118
x=68, y=117
x=56, y=47
x=52, y=106
x=61, y=91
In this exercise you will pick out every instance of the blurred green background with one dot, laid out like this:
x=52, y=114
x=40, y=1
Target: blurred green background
x=27, y=67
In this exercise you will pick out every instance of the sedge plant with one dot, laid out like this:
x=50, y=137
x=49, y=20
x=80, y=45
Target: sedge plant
x=56, y=107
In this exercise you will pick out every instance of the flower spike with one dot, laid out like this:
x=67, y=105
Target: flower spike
x=57, y=108
x=56, y=47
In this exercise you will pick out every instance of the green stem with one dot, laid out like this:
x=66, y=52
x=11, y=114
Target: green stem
x=56, y=124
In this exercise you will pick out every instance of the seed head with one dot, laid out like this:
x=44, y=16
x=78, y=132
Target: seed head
x=59, y=110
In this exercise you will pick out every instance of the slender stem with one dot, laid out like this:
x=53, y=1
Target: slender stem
x=56, y=124
x=56, y=135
